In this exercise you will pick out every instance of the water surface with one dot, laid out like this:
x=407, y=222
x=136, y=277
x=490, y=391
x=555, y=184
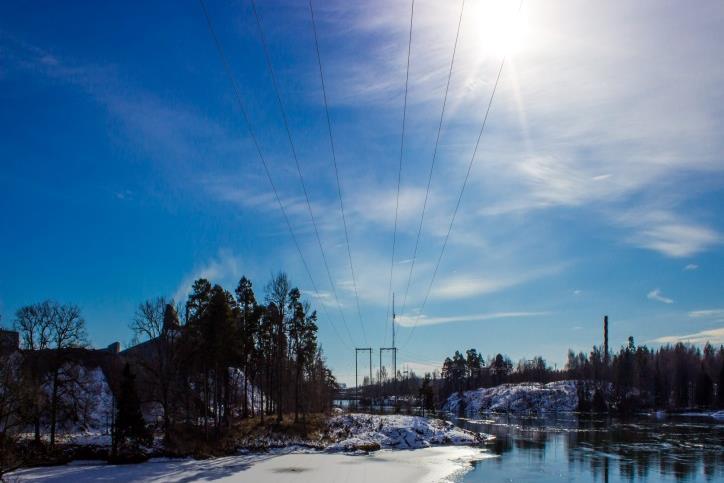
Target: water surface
x=598, y=448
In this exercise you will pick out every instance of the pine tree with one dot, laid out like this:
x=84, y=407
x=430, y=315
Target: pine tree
x=249, y=315
x=130, y=432
x=704, y=388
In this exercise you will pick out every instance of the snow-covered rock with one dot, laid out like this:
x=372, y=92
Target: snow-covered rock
x=557, y=396
x=370, y=432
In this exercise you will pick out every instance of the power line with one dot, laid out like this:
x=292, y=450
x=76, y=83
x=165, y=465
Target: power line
x=462, y=190
x=399, y=169
x=252, y=134
x=434, y=157
x=275, y=85
x=336, y=170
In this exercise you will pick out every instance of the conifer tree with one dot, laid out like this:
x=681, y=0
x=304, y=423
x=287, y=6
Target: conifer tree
x=130, y=432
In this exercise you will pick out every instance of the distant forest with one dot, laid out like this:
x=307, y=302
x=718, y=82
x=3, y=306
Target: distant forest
x=672, y=377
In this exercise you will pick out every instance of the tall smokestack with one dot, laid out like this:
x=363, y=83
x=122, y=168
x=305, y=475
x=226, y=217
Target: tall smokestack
x=605, y=338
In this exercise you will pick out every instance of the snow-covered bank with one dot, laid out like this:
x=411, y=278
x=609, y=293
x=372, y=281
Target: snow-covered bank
x=343, y=432
x=425, y=465
x=371, y=432
x=516, y=398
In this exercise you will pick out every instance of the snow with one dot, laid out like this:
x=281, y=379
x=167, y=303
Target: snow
x=718, y=415
x=424, y=465
x=370, y=432
x=559, y=396
x=88, y=418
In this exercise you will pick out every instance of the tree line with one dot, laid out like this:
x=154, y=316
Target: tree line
x=671, y=377
x=636, y=377
x=197, y=367
x=230, y=357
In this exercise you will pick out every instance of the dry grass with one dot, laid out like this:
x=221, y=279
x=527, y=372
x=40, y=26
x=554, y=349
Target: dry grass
x=250, y=433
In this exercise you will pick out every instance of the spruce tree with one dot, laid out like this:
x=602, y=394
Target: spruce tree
x=130, y=429
x=704, y=388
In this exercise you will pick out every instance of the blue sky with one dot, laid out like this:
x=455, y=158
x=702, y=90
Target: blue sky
x=127, y=170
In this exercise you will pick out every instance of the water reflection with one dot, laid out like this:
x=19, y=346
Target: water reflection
x=569, y=447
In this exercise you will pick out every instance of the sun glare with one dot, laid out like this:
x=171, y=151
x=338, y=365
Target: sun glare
x=499, y=27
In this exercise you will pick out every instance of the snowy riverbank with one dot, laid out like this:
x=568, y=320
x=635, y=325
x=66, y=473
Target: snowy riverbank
x=424, y=465
x=342, y=432
x=372, y=432
x=352, y=447
x=560, y=396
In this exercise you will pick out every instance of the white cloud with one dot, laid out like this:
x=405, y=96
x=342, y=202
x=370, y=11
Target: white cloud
x=222, y=270
x=691, y=267
x=656, y=226
x=577, y=292
x=713, y=336
x=707, y=314
x=677, y=239
x=463, y=286
x=560, y=136
x=409, y=320
x=656, y=295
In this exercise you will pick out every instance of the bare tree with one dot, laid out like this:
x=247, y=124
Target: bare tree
x=156, y=321
x=67, y=330
x=34, y=323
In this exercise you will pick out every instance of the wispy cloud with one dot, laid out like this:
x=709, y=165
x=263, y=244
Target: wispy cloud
x=656, y=295
x=673, y=237
x=713, y=336
x=715, y=315
x=463, y=286
x=222, y=269
x=691, y=267
x=409, y=320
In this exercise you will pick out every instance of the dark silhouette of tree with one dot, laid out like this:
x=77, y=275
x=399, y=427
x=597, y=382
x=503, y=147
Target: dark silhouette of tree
x=34, y=323
x=66, y=331
x=277, y=295
x=130, y=432
x=249, y=318
x=157, y=324
x=427, y=395
x=704, y=388
x=474, y=363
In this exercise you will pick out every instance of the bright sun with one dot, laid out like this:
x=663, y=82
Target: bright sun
x=499, y=26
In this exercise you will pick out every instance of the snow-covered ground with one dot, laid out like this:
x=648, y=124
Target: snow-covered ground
x=516, y=398
x=425, y=465
x=370, y=432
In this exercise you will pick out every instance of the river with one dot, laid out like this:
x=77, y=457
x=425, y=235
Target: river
x=566, y=447
x=555, y=448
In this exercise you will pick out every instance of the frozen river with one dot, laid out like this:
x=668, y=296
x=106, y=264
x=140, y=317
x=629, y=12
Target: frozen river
x=421, y=465
x=556, y=448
